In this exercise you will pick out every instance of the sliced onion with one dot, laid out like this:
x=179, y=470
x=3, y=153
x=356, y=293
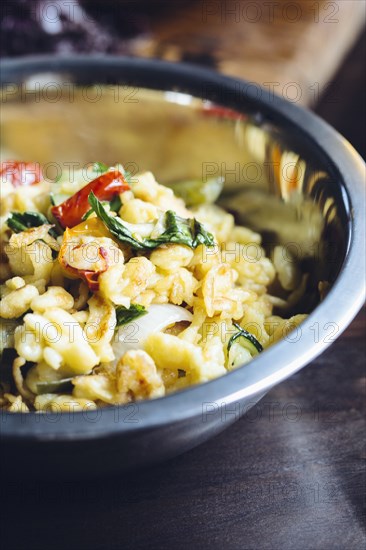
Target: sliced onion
x=159, y=317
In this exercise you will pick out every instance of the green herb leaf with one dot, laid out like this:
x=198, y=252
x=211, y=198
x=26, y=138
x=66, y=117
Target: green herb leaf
x=202, y=236
x=249, y=341
x=178, y=230
x=114, y=225
x=21, y=221
x=182, y=231
x=87, y=214
x=128, y=176
x=126, y=315
x=64, y=385
x=115, y=204
x=100, y=167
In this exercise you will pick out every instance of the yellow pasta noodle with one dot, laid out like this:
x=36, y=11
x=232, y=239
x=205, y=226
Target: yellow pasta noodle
x=136, y=297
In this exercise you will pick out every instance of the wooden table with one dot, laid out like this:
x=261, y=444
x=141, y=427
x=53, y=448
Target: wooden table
x=289, y=475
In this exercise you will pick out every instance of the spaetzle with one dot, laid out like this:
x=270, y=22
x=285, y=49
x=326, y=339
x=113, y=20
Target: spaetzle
x=113, y=291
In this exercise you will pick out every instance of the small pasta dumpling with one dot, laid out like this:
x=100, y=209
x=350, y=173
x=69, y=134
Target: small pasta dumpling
x=138, y=211
x=170, y=257
x=17, y=302
x=137, y=377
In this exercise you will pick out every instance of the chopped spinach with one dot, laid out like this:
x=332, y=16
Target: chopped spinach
x=126, y=315
x=100, y=168
x=178, y=230
x=21, y=221
x=115, y=204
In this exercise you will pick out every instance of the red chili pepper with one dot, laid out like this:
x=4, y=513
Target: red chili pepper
x=105, y=187
x=20, y=173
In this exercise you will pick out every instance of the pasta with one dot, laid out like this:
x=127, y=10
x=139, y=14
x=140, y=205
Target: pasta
x=114, y=291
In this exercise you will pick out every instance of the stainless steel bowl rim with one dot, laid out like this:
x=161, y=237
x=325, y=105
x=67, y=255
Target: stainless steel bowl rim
x=279, y=361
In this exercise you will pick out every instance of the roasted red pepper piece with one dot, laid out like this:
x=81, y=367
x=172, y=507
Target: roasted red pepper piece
x=105, y=187
x=218, y=111
x=91, y=228
x=20, y=173
x=91, y=277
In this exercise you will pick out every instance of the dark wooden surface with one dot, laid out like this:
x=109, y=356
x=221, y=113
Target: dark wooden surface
x=289, y=475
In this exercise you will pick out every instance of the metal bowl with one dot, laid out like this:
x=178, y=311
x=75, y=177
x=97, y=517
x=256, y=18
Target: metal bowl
x=164, y=117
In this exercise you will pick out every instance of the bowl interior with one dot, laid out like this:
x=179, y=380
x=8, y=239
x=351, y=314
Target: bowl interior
x=276, y=182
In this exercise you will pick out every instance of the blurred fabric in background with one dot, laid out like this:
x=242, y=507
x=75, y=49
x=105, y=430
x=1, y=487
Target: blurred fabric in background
x=294, y=48
x=77, y=26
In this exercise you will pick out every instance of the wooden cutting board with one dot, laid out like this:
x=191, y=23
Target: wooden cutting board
x=293, y=48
